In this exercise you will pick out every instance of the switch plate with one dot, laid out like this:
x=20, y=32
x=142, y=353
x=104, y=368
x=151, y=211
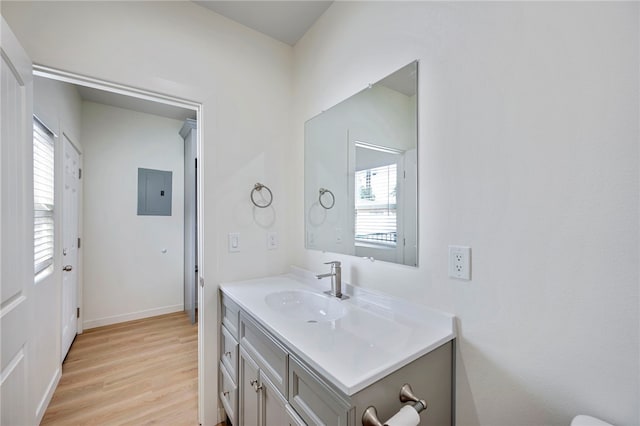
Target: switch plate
x=234, y=242
x=460, y=262
x=272, y=240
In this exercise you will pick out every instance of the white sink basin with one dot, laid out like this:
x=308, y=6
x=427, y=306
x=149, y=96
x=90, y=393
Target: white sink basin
x=306, y=306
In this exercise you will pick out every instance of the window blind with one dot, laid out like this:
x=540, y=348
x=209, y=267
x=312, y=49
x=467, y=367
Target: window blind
x=43, y=196
x=376, y=204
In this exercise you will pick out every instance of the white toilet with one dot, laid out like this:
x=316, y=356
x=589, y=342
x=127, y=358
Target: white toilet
x=583, y=420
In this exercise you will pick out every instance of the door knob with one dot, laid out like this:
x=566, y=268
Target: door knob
x=67, y=268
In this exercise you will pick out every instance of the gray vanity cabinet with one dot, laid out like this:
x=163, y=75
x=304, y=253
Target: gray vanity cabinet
x=263, y=383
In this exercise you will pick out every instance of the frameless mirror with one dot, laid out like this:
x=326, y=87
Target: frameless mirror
x=361, y=173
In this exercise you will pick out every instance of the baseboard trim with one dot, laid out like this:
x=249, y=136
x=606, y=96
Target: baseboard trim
x=131, y=316
x=46, y=398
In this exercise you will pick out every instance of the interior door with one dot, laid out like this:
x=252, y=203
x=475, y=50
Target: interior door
x=16, y=230
x=70, y=206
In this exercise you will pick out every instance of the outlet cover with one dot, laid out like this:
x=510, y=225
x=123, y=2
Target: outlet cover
x=460, y=262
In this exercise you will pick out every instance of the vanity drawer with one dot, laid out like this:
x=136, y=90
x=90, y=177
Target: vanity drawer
x=229, y=312
x=270, y=356
x=315, y=402
x=229, y=353
x=228, y=394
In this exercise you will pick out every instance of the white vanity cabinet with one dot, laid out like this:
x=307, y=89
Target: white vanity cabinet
x=264, y=382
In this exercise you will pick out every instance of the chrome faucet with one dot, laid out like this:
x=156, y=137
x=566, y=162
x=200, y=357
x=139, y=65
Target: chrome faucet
x=336, y=280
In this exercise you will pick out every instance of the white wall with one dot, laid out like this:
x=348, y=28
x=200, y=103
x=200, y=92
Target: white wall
x=126, y=274
x=528, y=153
x=243, y=80
x=58, y=105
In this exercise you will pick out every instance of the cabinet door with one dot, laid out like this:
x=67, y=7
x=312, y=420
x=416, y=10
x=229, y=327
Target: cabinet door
x=315, y=402
x=248, y=403
x=272, y=404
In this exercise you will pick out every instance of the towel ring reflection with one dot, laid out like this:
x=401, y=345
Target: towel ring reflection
x=333, y=198
x=259, y=187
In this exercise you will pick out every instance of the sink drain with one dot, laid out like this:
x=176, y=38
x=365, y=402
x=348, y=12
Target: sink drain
x=312, y=321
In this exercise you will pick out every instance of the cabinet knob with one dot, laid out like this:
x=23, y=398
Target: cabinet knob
x=255, y=385
x=227, y=354
x=226, y=393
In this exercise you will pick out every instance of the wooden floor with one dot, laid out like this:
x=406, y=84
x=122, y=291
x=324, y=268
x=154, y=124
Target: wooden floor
x=138, y=372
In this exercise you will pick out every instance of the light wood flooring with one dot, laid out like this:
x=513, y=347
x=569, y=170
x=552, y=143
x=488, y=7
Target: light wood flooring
x=134, y=373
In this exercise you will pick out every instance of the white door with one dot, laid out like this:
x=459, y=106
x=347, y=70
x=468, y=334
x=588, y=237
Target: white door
x=16, y=230
x=70, y=198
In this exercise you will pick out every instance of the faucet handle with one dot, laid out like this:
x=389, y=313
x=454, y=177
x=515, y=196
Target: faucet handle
x=333, y=263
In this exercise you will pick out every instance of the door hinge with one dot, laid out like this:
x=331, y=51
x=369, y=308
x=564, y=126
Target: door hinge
x=77, y=312
x=78, y=242
x=79, y=173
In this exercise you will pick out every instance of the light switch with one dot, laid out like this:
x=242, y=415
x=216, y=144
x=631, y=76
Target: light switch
x=234, y=242
x=272, y=240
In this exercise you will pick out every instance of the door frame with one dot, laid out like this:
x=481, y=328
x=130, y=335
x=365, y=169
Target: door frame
x=121, y=89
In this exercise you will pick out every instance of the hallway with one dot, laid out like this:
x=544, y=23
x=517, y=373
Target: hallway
x=137, y=372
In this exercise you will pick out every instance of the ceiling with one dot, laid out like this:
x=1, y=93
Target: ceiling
x=134, y=104
x=286, y=21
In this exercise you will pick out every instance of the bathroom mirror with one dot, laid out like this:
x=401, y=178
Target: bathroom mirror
x=361, y=173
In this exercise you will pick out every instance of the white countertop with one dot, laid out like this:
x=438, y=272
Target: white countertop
x=377, y=335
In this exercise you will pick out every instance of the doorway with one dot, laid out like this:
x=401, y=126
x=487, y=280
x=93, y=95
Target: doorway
x=149, y=103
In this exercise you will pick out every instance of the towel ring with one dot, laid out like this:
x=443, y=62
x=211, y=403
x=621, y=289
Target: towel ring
x=333, y=198
x=259, y=187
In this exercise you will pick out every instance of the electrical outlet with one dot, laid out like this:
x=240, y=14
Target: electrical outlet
x=460, y=262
